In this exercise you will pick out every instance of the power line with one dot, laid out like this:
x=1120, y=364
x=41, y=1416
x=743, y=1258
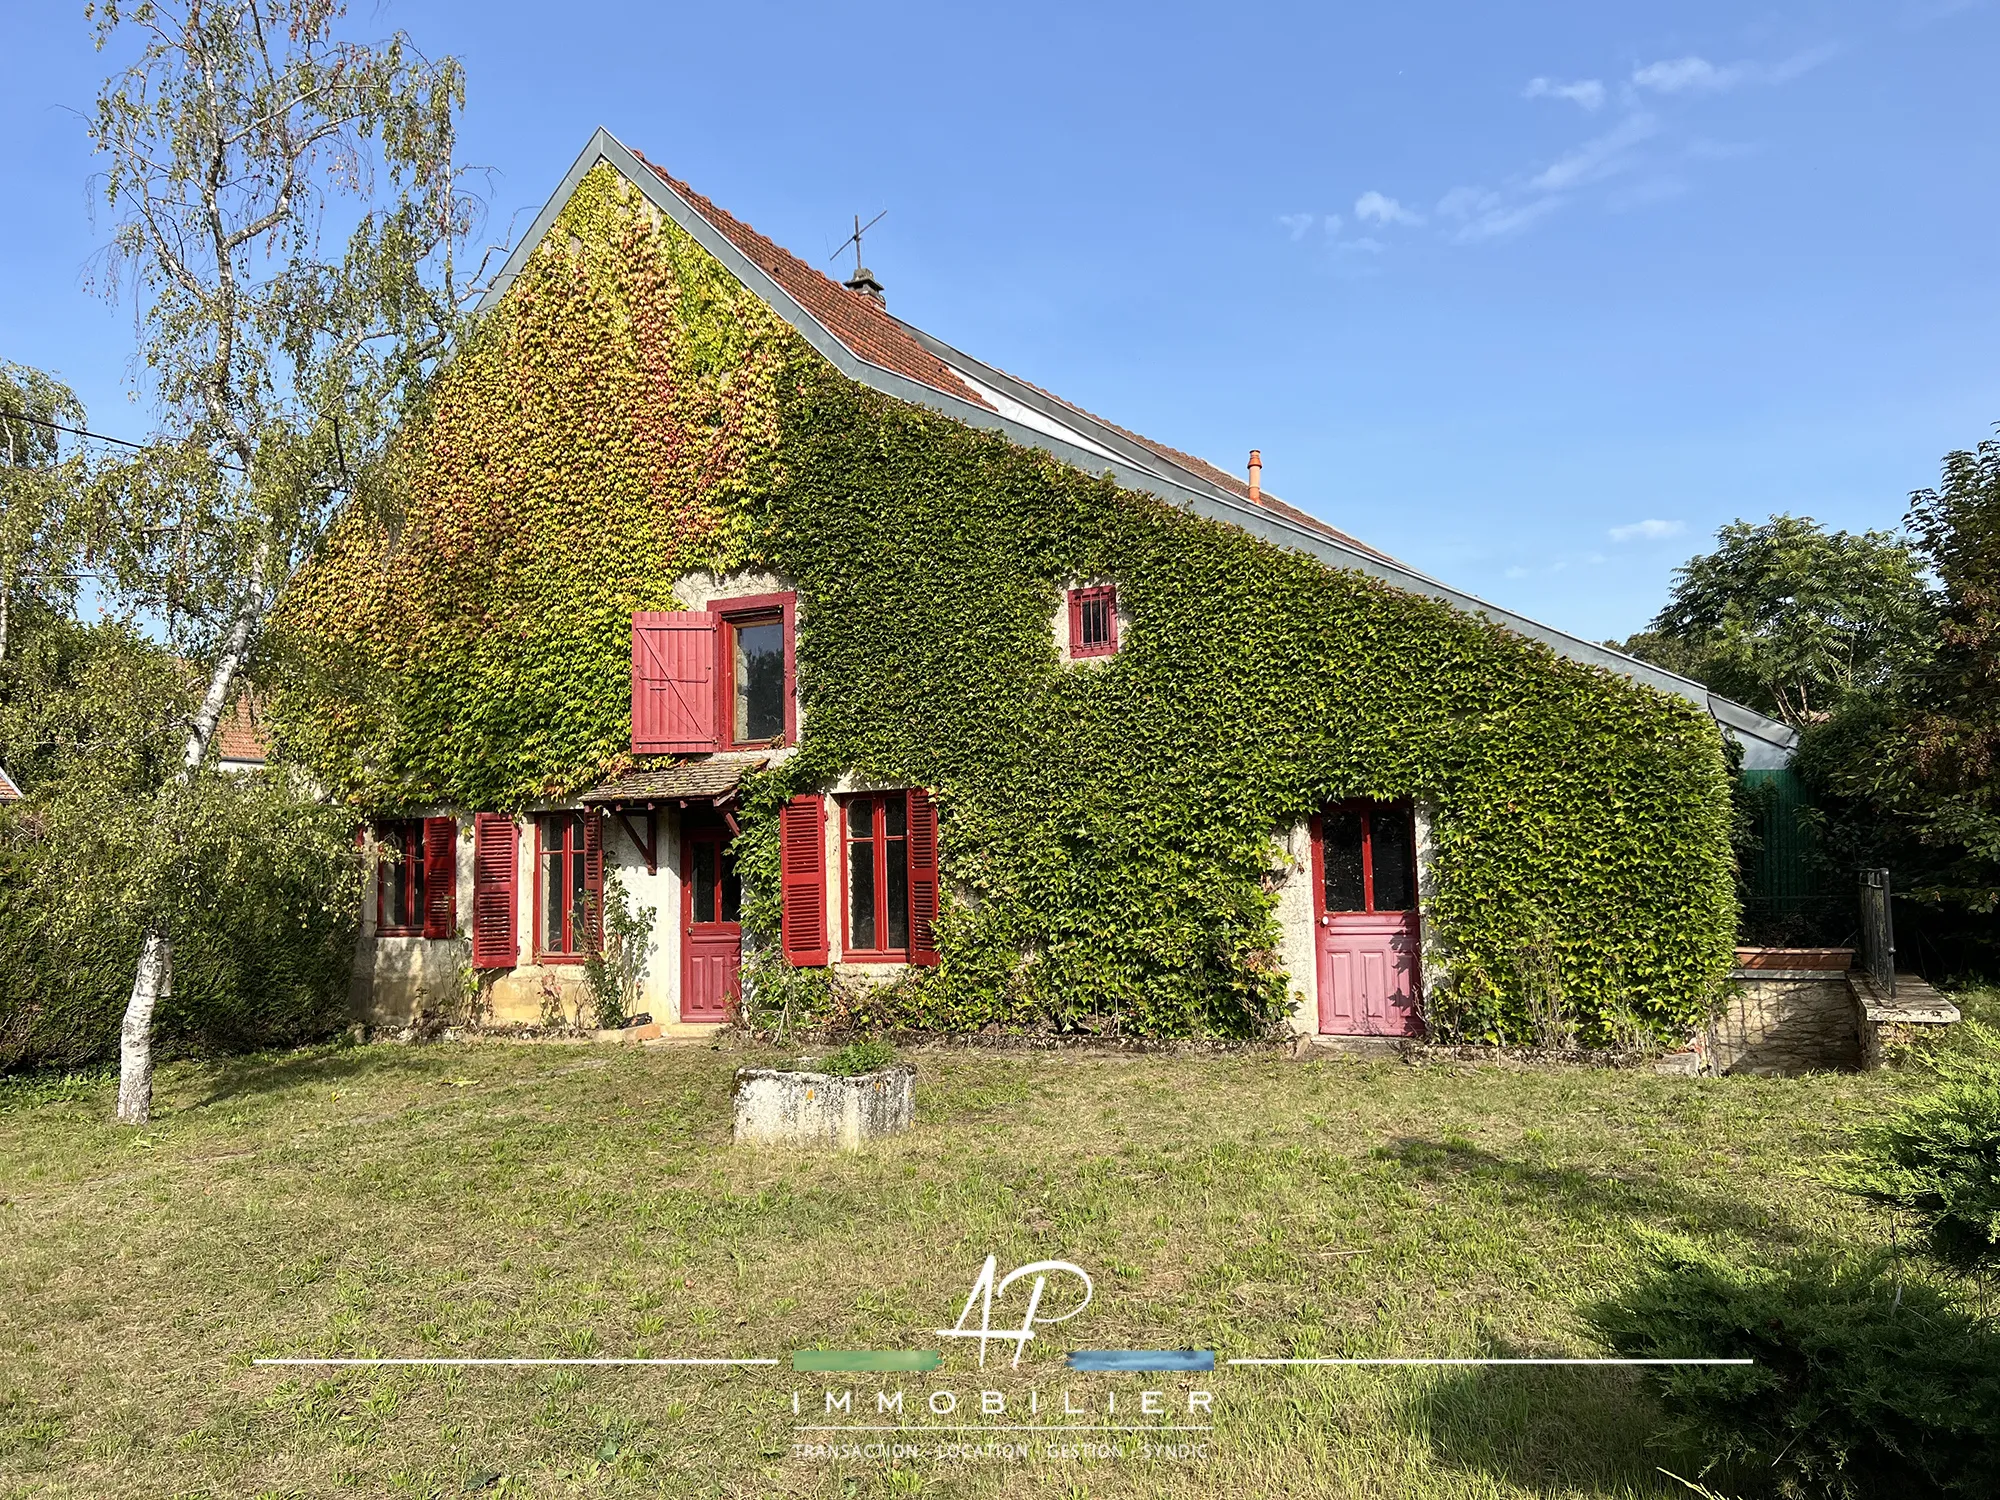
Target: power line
x=102, y=437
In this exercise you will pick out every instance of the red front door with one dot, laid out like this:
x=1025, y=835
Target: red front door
x=711, y=925
x=1365, y=914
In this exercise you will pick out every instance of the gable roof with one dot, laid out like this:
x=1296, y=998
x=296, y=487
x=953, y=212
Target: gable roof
x=859, y=337
x=238, y=736
x=8, y=791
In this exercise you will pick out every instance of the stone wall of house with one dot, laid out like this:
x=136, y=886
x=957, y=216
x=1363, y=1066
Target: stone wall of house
x=1785, y=1021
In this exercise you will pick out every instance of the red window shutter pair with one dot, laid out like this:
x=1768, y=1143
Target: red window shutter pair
x=802, y=879
x=673, y=682
x=440, y=877
x=496, y=843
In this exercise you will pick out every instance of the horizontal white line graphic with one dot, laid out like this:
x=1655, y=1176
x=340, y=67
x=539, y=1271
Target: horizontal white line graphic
x=463, y=1362
x=1490, y=1361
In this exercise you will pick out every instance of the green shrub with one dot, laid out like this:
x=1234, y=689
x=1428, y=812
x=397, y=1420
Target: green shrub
x=1861, y=1387
x=1938, y=1157
x=263, y=923
x=857, y=1058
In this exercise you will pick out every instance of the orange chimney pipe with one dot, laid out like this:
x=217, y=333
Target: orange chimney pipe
x=1256, y=477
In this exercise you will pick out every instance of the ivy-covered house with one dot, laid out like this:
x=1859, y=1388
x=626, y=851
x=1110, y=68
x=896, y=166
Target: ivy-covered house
x=903, y=692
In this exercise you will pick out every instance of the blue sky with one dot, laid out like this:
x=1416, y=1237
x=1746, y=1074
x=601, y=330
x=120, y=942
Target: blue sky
x=1533, y=297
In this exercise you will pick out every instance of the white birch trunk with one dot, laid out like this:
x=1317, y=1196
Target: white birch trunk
x=135, y=1038
x=154, y=980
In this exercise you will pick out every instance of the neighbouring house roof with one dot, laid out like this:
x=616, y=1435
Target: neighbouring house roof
x=8, y=791
x=239, y=738
x=684, y=781
x=863, y=341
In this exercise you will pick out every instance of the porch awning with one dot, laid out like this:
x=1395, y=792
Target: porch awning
x=684, y=781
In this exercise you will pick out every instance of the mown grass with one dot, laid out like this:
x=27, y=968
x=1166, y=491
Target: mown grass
x=492, y=1199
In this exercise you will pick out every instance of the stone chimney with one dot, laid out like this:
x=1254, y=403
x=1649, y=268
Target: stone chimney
x=863, y=281
x=1256, y=477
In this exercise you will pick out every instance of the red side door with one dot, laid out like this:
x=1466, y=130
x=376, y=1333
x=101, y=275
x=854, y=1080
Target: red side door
x=1365, y=913
x=711, y=923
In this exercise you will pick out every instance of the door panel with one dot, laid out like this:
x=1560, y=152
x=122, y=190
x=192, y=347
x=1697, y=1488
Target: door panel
x=1364, y=862
x=711, y=934
x=1368, y=974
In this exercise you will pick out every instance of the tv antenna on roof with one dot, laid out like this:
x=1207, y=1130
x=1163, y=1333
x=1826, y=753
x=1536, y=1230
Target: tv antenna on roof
x=854, y=239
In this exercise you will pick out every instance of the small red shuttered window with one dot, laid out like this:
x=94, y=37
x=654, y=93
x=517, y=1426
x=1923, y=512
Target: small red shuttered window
x=673, y=682
x=1093, y=621
x=496, y=843
x=802, y=880
x=440, y=877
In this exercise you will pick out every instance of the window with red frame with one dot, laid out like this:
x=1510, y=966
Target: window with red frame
x=753, y=662
x=1093, y=621
x=399, y=879
x=878, y=876
x=561, y=886
x=1370, y=856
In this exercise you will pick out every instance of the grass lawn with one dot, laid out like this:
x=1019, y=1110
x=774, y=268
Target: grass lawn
x=495, y=1199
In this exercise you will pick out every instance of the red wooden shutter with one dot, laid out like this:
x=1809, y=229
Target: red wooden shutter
x=496, y=843
x=923, y=878
x=673, y=682
x=440, y=877
x=802, y=879
x=593, y=878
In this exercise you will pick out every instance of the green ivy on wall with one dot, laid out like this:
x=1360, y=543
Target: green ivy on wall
x=629, y=412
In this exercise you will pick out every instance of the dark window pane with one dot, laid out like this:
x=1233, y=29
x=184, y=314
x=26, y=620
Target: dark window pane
x=562, y=883
x=895, y=816
x=552, y=900
x=897, y=888
x=402, y=855
x=704, y=852
x=861, y=894
x=1393, y=841
x=1096, y=621
x=760, y=681
x=732, y=888
x=1342, y=853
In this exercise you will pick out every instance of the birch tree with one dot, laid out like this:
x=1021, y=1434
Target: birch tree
x=287, y=216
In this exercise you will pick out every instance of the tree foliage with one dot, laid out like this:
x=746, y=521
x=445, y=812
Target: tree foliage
x=41, y=474
x=1791, y=618
x=252, y=878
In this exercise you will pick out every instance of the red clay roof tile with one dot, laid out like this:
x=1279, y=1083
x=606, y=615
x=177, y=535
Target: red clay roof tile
x=857, y=320
x=865, y=327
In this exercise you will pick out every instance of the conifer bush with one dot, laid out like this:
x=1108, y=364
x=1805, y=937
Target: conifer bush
x=1861, y=1386
x=1938, y=1157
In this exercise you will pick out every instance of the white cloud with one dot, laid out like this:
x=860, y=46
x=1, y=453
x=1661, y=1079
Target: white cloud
x=1687, y=74
x=1464, y=202
x=1366, y=243
x=1587, y=92
x=1373, y=208
x=1697, y=75
x=1298, y=224
x=1602, y=157
x=1499, y=222
x=1647, y=531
